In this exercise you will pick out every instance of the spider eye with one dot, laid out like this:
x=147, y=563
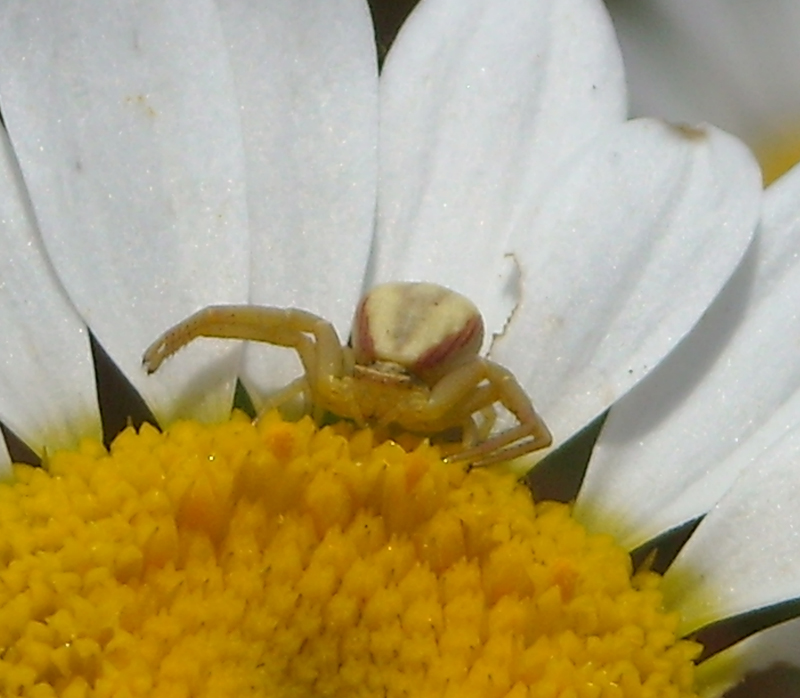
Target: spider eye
x=425, y=328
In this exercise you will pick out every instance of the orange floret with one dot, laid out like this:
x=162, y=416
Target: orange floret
x=282, y=560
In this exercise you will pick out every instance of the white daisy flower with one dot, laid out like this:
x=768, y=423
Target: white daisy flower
x=728, y=62
x=160, y=158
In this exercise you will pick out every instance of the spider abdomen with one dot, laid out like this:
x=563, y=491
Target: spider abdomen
x=423, y=327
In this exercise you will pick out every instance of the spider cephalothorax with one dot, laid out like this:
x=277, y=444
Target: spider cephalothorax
x=414, y=364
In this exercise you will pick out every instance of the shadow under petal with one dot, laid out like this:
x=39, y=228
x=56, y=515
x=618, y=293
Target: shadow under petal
x=559, y=475
x=18, y=450
x=120, y=403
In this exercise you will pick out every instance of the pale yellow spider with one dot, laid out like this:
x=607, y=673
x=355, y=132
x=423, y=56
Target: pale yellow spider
x=413, y=365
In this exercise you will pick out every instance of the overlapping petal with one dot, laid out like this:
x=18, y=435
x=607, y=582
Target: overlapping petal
x=307, y=86
x=149, y=161
x=502, y=214
x=620, y=258
x=714, y=433
x=743, y=556
x=47, y=392
x=672, y=448
x=480, y=102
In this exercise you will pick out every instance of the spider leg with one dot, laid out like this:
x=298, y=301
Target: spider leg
x=489, y=416
x=458, y=393
x=474, y=431
x=322, y=358
x=531, y=434
x=481, y=401
x=277, y=400
x=470, y=433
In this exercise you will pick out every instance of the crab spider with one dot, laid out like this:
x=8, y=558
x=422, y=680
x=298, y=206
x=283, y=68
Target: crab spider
x=414, y=364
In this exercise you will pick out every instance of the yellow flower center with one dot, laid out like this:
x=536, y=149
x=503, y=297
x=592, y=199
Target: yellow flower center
x=282, y=560
x=778, y=153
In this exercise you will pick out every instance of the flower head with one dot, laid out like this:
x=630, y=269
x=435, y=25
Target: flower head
x=160, y=159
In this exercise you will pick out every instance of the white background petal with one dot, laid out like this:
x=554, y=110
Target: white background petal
x=307, y=81
x=47, y=392
x=619, y=260
x=124, y=121
x=671, y=448
x=479, y=102
x=731, y=62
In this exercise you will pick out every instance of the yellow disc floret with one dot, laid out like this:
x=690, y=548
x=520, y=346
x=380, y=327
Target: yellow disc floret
x=282, y=560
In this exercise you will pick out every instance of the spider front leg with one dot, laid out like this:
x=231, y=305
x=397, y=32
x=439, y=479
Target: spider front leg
x=531, y=434
x=322, y=356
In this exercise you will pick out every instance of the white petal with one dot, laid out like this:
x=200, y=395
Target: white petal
x=743, y=556
x=620, y=259
x=307, y=81
x=124, y=120
x=773, y=648
x=479, y=102
x=671, y=448
x=47, y=391
x=731, y=62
